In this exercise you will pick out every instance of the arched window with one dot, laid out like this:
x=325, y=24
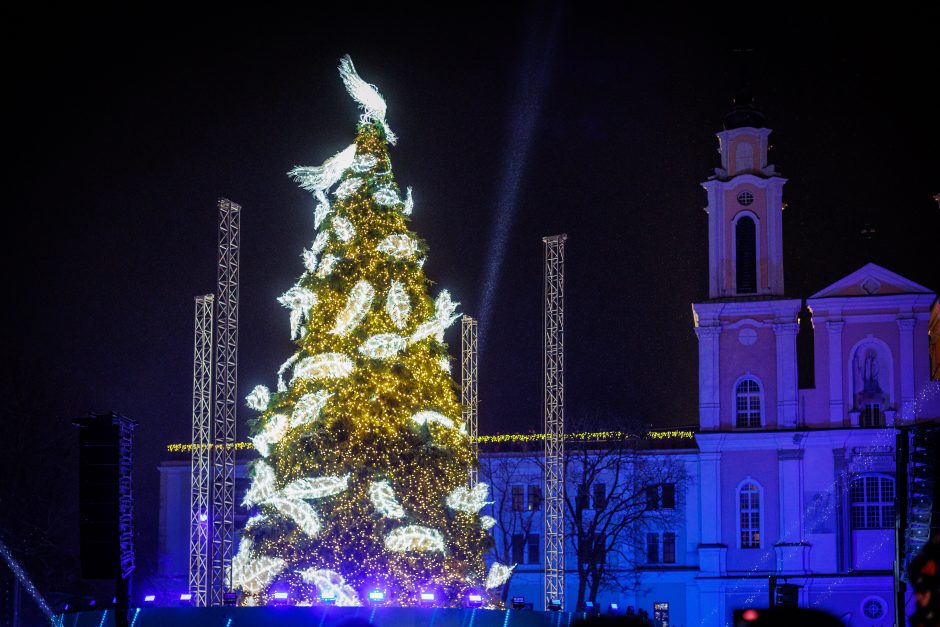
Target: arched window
x=745, y=255
x=744, y=156
x=747, y=404
x=749, y=494
x=872, y=502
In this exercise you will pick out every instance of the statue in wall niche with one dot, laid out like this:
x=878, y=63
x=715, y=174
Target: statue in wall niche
x=870, y=372
x=867, y=369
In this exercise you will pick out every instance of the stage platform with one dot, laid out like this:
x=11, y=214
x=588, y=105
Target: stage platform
x=321, y=616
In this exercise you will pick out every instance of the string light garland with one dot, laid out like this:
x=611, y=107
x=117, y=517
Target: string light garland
x=347, y=188
x=415, y=538
x=398, y=246
x=301, y=512
x=299, y=300
x=423, y=417
x=322, y=209
x=259, y=398
x=357, y=306
x=323, y=366
x=470, y=500
x=386, y=196
x=498, y=575
x=343, y=228
x=363, y=163
x=383, y=346
x=383, y=499
x=315, y=487
x=308, y=407
x=397, y=304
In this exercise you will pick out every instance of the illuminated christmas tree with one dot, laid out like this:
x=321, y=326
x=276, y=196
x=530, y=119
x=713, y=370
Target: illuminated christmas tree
x=363, y=480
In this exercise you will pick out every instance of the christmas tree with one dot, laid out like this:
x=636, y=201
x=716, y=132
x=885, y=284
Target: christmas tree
x=363, y=479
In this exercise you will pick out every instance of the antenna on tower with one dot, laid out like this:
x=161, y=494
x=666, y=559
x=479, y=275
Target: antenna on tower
x=226, y=381
x=553, y=361
x=468, y=389
x=202, y=438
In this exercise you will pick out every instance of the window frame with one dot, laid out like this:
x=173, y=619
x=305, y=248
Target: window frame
x=745, y=213
x=748, y=377
x=759, y=491
x=517, y=497
x=865, y=505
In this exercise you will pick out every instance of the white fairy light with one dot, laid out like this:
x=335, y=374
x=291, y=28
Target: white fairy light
x=366, y=95
x=259, y=398
x=310, y=260
x=487, y=522
x=344, y=229
x=357, y=306
x=498, y=575
x=386, y=196
x=253, y=573
x=262, y=486
x=322, y=209
x=470, y=500
x=421, y=261
x=409, y=203
x=319, y=242
x=274, y=429
x=308, y=407
x=326, y=266
x=424, y=417
x=445, y=309
x=347, y=188
x=399, y=246
x=281, y=386
x=398, y=305
x=323, y=366
x=299, y=300
x=363, y=163
x=415, y=538
x=383, y=499
x=257, y=519
x=301, y=512
x=313, y=178
x=315, y=487
x=444, y=362
x=331, y=583
x=383, y=346
x=426, y=329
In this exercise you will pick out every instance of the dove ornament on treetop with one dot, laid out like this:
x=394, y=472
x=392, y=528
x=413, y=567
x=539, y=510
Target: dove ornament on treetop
x=364, y=463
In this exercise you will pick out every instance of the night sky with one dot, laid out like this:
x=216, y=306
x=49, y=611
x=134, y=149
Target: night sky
x=124, y=129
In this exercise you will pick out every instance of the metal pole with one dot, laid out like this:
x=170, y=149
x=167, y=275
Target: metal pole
x=199, y=528
x=468, y=390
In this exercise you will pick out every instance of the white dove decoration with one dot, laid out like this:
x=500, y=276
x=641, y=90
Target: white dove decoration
x=367, y=95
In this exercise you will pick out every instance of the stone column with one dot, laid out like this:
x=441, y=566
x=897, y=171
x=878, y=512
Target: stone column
x=792, y=551
x=709, y=397
x=906, y=329
x=836, y=406
x=787, y=384
x=712, y=551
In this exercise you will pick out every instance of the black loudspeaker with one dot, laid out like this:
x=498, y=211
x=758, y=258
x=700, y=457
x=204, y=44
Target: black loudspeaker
x=104, y=480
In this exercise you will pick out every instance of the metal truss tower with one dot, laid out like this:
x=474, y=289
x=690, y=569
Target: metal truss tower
x=202, y=438
x=468, y=389
x=226, y=380
x=553, y=362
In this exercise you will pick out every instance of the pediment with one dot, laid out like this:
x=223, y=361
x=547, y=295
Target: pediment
x=871, y=280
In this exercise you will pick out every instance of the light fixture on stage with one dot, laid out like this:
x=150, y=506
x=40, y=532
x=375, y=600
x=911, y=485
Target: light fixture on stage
x=613, y=609
x=280, y=598
x=229, y=598
x=427, y=597
x=554, y=605
x=592, y=608
x=150, y=599
x=474, y=599
x=376, y=596
x=328, y=597
x=92, y=603
x=186, y=599
x=517, y=603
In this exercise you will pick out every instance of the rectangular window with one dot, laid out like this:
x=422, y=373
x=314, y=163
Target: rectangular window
x=661, y=614
x=652, y=497
x=600, y=495
x=518, y=548
x=583, y=502
x=669, y=496
x=669, y=548
x=518, y=498
x=652, y=548
x=535, y=498
x=534, y=555
x=871, y=415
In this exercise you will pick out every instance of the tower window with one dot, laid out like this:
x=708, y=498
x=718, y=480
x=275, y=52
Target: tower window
x=745, y=250
x=744, y=157
x=747, y=404
x=745, y=198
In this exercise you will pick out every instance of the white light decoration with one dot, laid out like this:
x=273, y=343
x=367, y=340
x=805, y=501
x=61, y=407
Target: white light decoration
x=330, y=582
x=366, y=95
x=399, y=246
x=299, y=300
x=498, y=575
x=253, y=573
x=386, y=196
x=470, y=500
x=383, y=346
x=424, y=417
x=445, y=364
x=259, y=398
x=364, y=163
x=257, y=519
x=319, y=242
x=398, y=305
x=326, y=266
x=281, y=386
x=262, y=486
x=487, y=522
x=301, y=512
x=357, y=306
x=415, y=538
x=426, y=329
x=343, y=228
x=308, y=407
x=314, y=487
x=421, y=261
x=274, y=429
x=383, y=499
x=323, y=366
x=322, y=210
x=314, y=178
x=409, y=203
x=444, y=315
x=347, y=188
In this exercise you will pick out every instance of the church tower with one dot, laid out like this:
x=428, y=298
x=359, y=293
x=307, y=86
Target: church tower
x=747, y=329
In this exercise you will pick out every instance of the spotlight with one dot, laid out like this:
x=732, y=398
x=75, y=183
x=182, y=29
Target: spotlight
x=613, y=609
x=590, y=607
x=377, y=596
x=203, y=517
x=427, y=597
x=229, y=598
x=150, y=599
x=517, y=603
x=280, y=598
x=554, y=605
x=92, y=603
x=474, y=599
x=328, y=597
x=186, y=599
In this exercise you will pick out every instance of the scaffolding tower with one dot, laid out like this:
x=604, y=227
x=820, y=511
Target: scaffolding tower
x=202, y=436
x=222, y=516
x=553, y=361
x=468, y=389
